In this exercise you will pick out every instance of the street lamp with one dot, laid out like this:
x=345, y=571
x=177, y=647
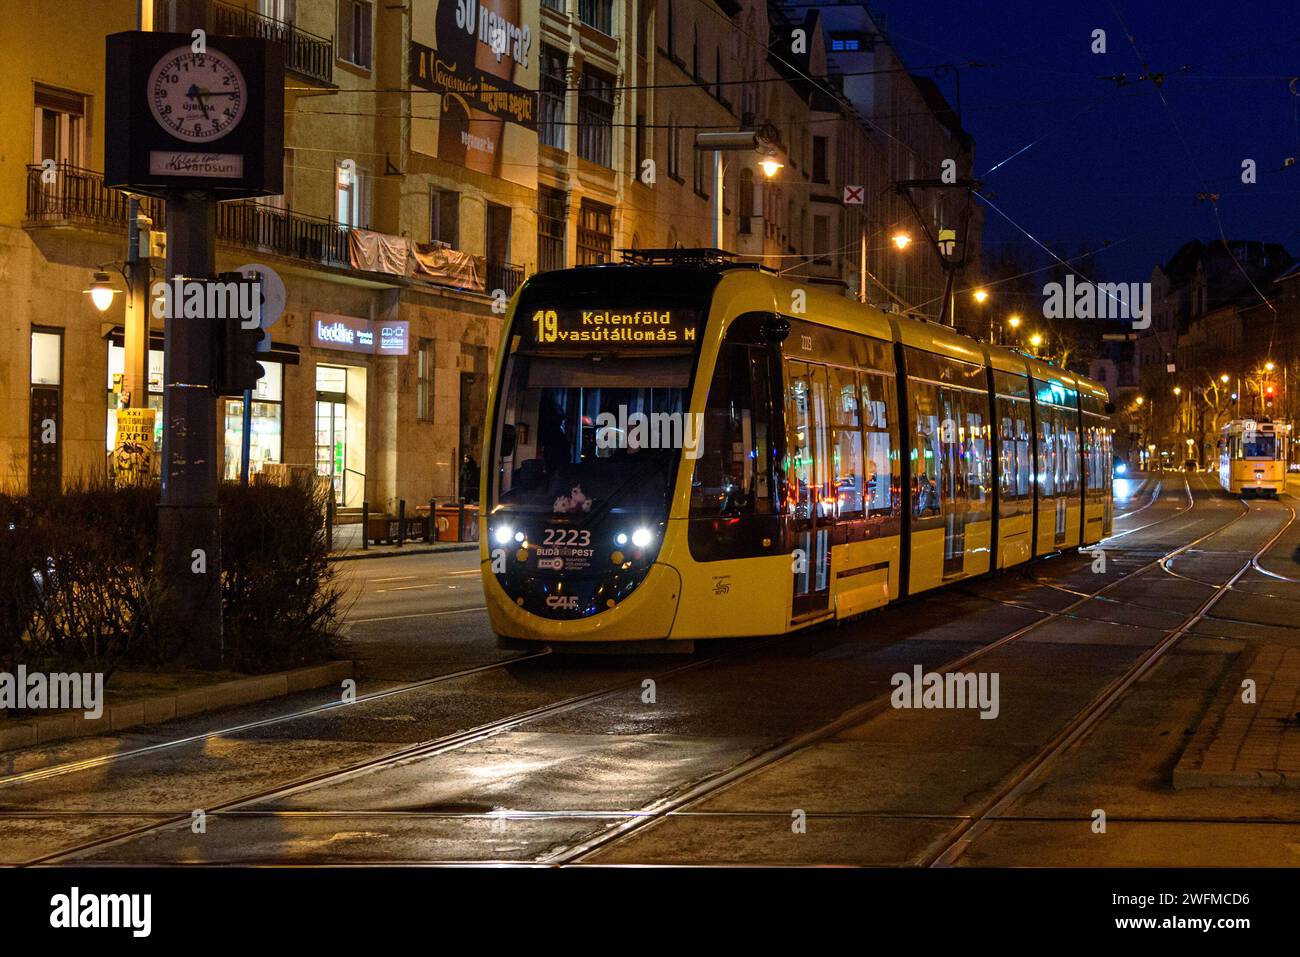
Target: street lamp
x=1141, y=399
x=902, y=240
x=101, y=291
x=981, y=295
x=741, y=141
x=1036, y=340
x=1224, y=378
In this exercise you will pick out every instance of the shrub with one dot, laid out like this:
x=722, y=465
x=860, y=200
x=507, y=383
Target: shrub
x=79, y=588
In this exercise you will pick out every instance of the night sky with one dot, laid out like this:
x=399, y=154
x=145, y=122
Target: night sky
x=1111, y=166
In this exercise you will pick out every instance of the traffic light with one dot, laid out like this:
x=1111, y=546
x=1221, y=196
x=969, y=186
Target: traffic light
x=235, y=368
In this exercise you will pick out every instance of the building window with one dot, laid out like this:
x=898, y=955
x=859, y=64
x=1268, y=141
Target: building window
x=595, y=233
x=282, y=10
x=746, y=199
x=672, y=46
x=596, y=117
x=821, y=240
x=347, y=194
x=554, y=5
x=355, y=25
x=819, y=171
x=674, y=150
x=550, y=127
x=703, y=159
x=640, y=146
x=444, y=217
x=424, y=381
x=551, y=221
x=266, y=437
x=60, y=127
x=45, y=413
x=598, y=14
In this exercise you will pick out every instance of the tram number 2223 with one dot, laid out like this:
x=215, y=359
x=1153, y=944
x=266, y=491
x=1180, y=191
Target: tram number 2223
x=548, y=325
x=567, y=536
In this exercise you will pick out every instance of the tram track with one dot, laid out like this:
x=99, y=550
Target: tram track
x=682, y=800
x=953, y=845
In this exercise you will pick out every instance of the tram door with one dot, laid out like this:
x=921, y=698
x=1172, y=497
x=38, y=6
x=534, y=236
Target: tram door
x=810, y=505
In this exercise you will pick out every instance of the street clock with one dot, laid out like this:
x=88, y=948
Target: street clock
x=199, y=97
x=194, y=116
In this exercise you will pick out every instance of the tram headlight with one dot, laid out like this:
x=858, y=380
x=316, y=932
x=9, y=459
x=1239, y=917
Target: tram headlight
x=503, y=534
x=620, y=538
x=1120, y=468
x=641, y=537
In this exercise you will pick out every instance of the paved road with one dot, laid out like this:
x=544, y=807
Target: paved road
x=774, y=751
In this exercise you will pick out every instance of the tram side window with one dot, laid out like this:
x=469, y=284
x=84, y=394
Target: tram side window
x=1015, y=449
x=1067, y=451
x=1047, y=452
x=806, y=414
x=975, y=454
x=846, y=443
x=883, y=491
x=733, y=477
x=927, y=449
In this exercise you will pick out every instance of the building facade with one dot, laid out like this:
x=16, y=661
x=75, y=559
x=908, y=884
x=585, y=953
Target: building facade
x=436, y=154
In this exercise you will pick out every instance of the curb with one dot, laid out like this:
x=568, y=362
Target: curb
x=415, y=550
x=225, y=694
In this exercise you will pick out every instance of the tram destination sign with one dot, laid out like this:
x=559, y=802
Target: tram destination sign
x=614, y=327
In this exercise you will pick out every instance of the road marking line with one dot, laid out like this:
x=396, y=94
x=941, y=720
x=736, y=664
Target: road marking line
x=422, y=614
x=399, y=578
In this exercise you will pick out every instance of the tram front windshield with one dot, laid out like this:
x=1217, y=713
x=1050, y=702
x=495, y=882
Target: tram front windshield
x=583, y=434
x=1259, y=445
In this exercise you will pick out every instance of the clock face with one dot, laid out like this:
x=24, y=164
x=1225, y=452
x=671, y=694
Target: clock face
x=198, y=97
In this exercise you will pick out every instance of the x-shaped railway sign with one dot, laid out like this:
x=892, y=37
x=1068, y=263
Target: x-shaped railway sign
x=853, y=195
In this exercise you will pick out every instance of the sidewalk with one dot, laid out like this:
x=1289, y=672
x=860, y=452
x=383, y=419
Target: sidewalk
x=347, y=546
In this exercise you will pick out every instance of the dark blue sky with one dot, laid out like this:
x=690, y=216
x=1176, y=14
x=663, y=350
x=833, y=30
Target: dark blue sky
x=1118, y=171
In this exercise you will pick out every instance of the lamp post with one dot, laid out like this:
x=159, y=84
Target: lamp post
x=744, y=140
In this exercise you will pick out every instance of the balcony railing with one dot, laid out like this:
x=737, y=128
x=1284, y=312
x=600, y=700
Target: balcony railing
x=78, y=196
x=306, y=54
x=505, y=276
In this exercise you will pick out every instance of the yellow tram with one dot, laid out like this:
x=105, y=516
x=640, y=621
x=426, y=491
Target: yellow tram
x=1253, y=456
x=683, y=448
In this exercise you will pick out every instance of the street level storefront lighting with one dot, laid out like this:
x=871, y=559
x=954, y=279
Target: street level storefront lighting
x=902, y=240
x=101, y=291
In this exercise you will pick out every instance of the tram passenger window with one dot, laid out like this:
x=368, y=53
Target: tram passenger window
x=881, y=490
x=806, y=414
x=975, y=454
x=846, y=443
x=1068, y=462
x=1259, y=445
x=927, y=449
x=1046, y=452
x=1014, y=449
x=730, y=473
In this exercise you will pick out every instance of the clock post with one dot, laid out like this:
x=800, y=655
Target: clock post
x=196, y=120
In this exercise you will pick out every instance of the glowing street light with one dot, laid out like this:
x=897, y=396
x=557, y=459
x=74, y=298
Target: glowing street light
x=1224, y=378
x=1036, y=340
x=981, y=295
x=101, y=291
x=1013, y=321
x=1141, y=399
x=770, y=166
x=1268, y=366
x=902, y=240
x=1178, y=390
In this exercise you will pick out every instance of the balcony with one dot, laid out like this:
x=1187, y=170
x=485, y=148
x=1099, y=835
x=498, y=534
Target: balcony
x=306, y=54
x=78, y=197
x=505, y=276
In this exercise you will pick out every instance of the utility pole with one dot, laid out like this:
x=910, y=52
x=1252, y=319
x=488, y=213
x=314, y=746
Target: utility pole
x=189, y=526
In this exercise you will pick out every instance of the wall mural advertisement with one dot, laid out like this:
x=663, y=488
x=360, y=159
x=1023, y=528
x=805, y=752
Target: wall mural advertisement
x=478, y=59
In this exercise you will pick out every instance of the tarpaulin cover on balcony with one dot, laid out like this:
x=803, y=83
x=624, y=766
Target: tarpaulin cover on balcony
x=441, y=264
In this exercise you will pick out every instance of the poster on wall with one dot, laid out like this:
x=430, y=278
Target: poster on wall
x=478, y=60
x=133, y=447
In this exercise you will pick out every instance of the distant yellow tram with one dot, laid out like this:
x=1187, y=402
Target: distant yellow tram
x=685, y=448
x=1253, y=455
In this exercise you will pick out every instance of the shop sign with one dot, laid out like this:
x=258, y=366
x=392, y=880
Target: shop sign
x=354, y=334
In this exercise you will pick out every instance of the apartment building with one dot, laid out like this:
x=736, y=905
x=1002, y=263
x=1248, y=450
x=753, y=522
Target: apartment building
x=438, y=152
